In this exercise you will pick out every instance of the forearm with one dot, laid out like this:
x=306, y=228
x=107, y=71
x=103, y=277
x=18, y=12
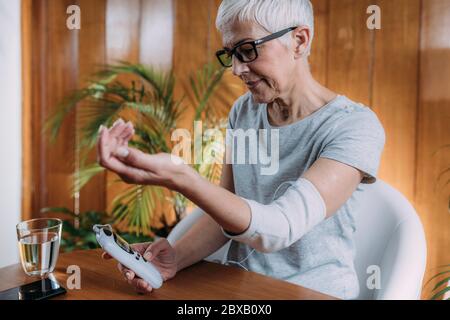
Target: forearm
x=230, y=211
x=204, y=238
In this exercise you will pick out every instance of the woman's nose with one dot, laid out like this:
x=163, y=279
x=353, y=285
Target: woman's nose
x=239, y=67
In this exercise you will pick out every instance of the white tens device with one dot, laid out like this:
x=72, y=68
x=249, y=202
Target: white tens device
x=120, y=250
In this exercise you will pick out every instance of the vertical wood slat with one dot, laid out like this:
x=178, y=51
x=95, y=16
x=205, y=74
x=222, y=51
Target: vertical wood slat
x=34, y=23
x=395, y=90
x=38, y=101
x=92, y=54
x=190, y=46
x=196, y=40
x=432, y=197
x=156, y=50
x=190, y=38
x=60, y=45
x=319, y=50
x=156, y=34
x=350, y=50
x=122, y=44
x=27, y=132
x=122, y=30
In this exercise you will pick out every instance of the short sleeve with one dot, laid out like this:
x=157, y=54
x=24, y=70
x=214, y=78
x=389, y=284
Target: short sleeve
x=357, y=140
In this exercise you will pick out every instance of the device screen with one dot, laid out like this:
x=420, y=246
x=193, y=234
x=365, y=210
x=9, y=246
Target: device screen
x=38, y=290
x=123, y=244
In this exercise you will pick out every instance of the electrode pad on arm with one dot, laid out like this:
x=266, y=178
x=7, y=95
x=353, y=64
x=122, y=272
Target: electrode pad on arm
x=282, y=222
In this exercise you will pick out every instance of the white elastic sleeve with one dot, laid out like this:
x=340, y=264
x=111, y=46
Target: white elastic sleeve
x=277, y=225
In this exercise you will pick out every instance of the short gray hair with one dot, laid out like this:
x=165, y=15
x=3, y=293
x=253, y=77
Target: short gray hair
x=271, y=15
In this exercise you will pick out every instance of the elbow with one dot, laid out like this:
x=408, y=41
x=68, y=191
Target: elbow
x=266, y=244
x=266, y=249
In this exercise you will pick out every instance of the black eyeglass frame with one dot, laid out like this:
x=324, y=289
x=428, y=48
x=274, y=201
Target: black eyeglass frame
x=253, y=43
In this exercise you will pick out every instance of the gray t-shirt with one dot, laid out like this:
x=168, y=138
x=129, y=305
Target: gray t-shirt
x=342, y=130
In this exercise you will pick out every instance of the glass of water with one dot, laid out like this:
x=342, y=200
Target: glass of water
x=39, y=245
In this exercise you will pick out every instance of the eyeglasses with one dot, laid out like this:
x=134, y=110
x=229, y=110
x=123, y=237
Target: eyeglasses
x=246, y=51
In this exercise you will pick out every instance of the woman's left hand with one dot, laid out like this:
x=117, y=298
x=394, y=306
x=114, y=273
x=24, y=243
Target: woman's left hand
x=135, y=166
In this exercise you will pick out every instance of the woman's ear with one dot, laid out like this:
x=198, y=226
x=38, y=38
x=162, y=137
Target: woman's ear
x=301, y=41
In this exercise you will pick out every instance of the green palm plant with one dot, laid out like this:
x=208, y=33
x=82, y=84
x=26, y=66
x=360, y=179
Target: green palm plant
x=146, y=97
x=443, y=175
x=443, y=285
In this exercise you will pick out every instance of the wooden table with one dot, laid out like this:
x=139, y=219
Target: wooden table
x=100, y=279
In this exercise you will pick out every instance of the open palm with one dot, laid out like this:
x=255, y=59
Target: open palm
x=133, y=165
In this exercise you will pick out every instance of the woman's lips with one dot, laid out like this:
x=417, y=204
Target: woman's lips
x=252, y=84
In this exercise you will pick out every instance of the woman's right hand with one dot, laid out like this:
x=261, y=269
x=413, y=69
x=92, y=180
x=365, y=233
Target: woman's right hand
x=160, y=253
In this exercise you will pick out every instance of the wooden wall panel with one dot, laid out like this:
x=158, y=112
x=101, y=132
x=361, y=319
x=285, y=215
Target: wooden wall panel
x=191, y=39
x=156, y=50
x=350, y=53
x=122, y=43
x=122, y=30
x=33, y=68
x=432, y=196
x=27, y=118
x=92, y=54
x=60, y=50
x=191, y=45
x=156, y=33
x=395, y=90
x=319, y=50
x=196, y=40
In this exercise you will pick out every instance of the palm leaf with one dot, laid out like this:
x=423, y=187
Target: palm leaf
x=440, y=293
x=93, y=116
x=147, y=99
x=154, y=141
x=445, y=146
x=58, y=210
x=162, y=84
x=84, y=175
x=440, y=283
x=203, y=85
x=166, y=120
x=435, y=276
x=136, y=206
x=55, y=121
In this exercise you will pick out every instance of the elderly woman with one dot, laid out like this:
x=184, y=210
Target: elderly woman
x=295, y=223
